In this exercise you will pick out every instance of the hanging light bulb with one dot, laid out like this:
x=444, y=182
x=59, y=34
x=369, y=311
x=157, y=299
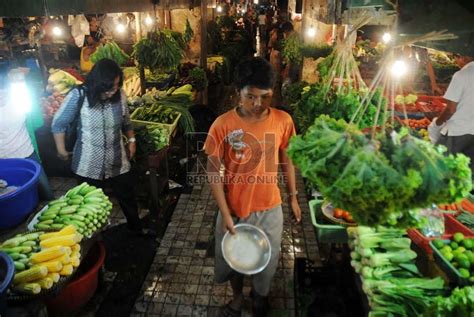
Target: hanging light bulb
x=311, y=31
x=387, y=37
x=148, y=20
x=255, y=1
x=57, y=31
x=121, y=28
x=399, y=68
x=219, y=8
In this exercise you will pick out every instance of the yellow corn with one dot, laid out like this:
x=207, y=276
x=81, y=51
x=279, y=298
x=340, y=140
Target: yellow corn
x=69, y=229
x=65, y=259
x=35, y=273
x=75, y=261
x=67, y=270
x=53, y=266
x=49, y=254
x=76, y=248
x=63, y=240
x=54, y=277
x=28, y=288
x=45, y=282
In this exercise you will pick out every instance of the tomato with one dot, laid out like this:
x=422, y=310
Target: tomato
x=349, y=218
x=338, y=213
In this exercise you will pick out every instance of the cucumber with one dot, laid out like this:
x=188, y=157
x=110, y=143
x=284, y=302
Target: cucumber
x=77, y=217
x=95, y=200
x=57, y=226
x=74, y=202
x=50, y=216
x=42, y=226
x=82, y=213
x=33, y=235
x=56, y=202
x=29, y=244
x=19, y=266
x=25, y=261
x=68, y=210
x=46, y=222
x=54, y=209
x=16, y=256
x=95, y=192
x=76, y=197
x=86, y=189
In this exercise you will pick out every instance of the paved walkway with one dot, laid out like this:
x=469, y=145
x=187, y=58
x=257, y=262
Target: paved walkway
x=180, y=281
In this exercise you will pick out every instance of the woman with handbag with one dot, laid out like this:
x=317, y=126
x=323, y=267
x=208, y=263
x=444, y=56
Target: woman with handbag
x=100, y=155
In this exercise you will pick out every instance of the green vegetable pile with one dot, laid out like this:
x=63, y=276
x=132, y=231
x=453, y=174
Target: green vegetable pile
x=467, y=219
x=160, y=50
x=294, y=50
x=151, y=139
x=198, y=78
x=378, y=181
x=459, y=304
x=157, y=113
x=151, y=106
x=389, y=275
x=111, y=51
x=338, y=105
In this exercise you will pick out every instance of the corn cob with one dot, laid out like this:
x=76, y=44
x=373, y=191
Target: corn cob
x=49, y=254
x=45, y=282
x=53, y=266
x=68, y=240
x=67, y=270
x=28, y=288
x=29, y=275
x=53, y=276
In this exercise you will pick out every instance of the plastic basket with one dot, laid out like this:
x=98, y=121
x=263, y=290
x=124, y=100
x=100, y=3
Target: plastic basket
x=326, y=233
x=81, y=289
x=168, y=127
x=17, y=205
x=453, y=274
x=461, y=227
x=450, y=228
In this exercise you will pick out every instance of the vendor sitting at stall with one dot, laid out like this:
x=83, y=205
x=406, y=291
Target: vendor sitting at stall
x=92, y=42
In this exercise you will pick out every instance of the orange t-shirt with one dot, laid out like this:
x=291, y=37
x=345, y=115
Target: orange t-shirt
x=250, y=152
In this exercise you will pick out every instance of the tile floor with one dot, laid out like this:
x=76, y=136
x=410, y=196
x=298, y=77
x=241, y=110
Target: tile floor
x=180, y=281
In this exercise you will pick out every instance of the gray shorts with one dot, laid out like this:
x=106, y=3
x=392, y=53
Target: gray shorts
x=271, y=222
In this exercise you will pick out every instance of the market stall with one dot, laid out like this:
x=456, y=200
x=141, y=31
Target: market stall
x=381, y=188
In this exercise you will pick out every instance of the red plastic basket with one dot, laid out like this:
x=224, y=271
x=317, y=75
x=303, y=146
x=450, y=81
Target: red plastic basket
x=82, y=288
x=451, y=226
x=458, y=224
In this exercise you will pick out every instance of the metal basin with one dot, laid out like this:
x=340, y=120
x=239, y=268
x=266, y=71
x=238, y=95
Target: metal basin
x=248, y=251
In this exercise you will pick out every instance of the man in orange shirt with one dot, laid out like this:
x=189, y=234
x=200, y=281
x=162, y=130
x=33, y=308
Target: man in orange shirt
x=250, y=142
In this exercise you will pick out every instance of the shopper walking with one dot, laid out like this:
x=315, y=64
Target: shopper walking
x=100, y=153
x=250, y=142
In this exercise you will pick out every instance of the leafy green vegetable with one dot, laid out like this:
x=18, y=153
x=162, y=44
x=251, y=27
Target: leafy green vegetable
x=160, y=50
x=110, y=51
x=379, y=181
x=459, y=304
x=198, y=78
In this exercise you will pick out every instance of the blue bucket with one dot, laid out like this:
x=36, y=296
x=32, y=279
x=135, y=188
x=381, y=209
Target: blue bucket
x=7, y=272
x=17, y=205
